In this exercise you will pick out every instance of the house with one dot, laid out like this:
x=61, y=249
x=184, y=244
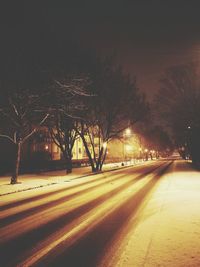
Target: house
x=40, y=148
x=117, y=149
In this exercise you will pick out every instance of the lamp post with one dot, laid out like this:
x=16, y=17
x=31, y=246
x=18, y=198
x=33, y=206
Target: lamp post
x=188, y=142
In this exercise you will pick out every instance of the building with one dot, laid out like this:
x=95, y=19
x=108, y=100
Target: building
x=40, y=149
x=126, y=148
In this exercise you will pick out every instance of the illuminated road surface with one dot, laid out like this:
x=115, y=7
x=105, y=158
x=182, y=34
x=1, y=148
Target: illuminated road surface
x=129, y=217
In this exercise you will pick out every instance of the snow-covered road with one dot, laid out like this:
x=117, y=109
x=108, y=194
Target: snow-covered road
x=139, y=216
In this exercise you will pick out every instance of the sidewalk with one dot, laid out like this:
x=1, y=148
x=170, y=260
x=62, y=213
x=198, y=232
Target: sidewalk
x=167, y=227
x=31, y=181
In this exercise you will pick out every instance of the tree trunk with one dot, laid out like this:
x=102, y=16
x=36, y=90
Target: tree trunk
x=16, y=166
x=103, y=160
x=99, y=162
x=88, y=154
x=68, y=165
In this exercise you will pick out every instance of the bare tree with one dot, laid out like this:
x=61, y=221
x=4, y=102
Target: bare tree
x=63, y=134
x=178, y=103
x=33, y=73
x=67, y=103
x=116, y=104
x=24, y=111
x=22, y=115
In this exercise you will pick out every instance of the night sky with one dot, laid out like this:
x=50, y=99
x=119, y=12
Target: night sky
x=145, y=36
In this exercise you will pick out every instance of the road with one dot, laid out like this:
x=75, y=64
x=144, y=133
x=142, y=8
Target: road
x=81, y=224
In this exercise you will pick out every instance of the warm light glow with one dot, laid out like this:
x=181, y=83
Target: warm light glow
x=104, y=145
x=140, y=149
x=128, y=148
x=146, y=150
x=128, y=131
x=46, y=147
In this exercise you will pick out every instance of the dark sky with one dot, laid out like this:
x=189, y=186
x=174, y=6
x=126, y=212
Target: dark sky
x=146, y=36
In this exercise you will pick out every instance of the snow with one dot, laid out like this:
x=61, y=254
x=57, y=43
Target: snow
x=165, y=230
x=168, y=229
x=76, y=228
x=33, y=181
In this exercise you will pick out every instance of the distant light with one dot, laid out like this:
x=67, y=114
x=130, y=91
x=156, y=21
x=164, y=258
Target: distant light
x=128, y=148
x=146, y=150
x=140, y=149
x=128, y=132
x=189, y=127
x=46, y=147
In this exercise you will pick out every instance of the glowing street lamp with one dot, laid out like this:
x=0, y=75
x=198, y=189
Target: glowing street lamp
x=128, y=132
x=127, y=147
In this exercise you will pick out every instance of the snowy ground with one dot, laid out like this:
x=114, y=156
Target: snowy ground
x=115, y=217
x=31, y=181
x=41, y=223
x=167, y=232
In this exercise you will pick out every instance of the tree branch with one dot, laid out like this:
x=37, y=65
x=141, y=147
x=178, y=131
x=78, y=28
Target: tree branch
x=35, y=129
x=8, y=137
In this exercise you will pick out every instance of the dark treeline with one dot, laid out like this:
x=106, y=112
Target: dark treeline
x=178, y=104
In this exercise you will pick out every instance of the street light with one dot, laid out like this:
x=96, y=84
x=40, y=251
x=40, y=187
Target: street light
x=187, y=152
x=128, y=132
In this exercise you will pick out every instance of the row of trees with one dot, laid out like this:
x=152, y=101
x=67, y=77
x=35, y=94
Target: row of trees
x=45, y=79
x=178, y=106
x=97, y=101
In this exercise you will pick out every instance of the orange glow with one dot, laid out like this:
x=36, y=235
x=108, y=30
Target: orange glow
x=104, y=145
x=128, y=148
x=128, y=132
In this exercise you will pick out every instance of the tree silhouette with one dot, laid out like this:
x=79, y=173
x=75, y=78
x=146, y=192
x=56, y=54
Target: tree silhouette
x=178, y=104
x=115, y=104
